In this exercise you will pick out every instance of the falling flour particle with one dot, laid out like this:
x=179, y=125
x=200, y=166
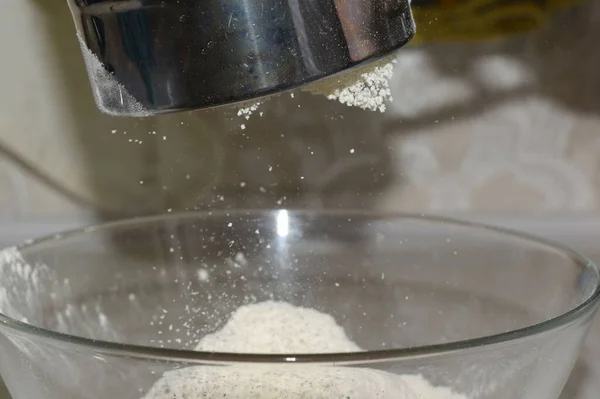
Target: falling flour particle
x=367, y=88
x=247, y=112
x=110, y=95
x=278, y=328
x=203, y=275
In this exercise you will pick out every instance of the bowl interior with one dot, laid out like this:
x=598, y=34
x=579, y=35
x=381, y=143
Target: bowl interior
x=390, y=281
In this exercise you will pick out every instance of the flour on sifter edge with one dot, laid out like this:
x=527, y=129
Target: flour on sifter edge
x=110, y=95
x=276, y=327
x=367, y=87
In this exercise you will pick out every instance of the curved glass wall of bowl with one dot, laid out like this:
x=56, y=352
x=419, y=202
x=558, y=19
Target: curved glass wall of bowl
x=478, y=311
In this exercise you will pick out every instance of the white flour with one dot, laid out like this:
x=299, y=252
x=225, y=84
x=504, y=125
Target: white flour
x=247, y=109
x=247, y=112
x=20, y=284
x=367, y=88
x=111, y=97
x=276, y=327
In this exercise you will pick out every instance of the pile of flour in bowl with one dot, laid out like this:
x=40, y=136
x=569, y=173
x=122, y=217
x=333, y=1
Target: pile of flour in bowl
x=275, y=328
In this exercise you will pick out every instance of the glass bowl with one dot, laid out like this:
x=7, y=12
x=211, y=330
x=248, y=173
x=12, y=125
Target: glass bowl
x=105, y=312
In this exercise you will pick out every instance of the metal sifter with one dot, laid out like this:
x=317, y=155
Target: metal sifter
x=147, y=57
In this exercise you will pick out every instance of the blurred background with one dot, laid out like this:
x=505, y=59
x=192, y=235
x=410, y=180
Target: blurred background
x=485, y=124
x=492, y=116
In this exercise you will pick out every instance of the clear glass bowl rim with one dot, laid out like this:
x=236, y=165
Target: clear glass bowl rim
x=347, y=359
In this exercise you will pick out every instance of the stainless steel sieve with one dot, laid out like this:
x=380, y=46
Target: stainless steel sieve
x=154, y=56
